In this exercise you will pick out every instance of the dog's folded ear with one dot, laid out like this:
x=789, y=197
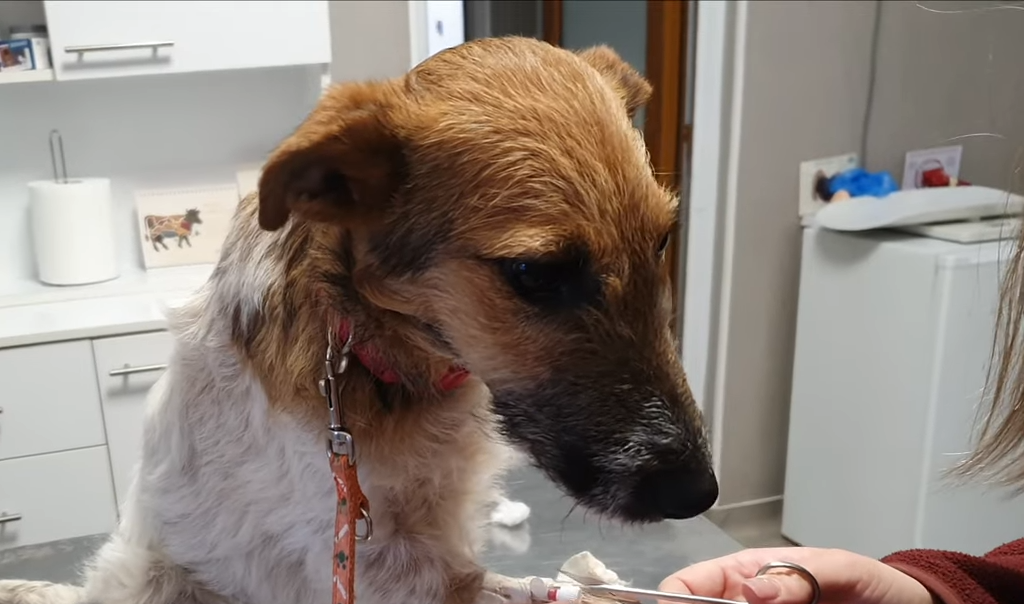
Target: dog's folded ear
x=343, y=163
x=633, y=88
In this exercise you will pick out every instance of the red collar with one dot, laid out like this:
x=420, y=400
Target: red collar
x=375, y=363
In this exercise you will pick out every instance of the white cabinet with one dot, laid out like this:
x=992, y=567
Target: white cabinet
x=48, y=400
x=893, y=338
x=68, y=449
x=136, y=362
x=96, y=39
x=56, y=496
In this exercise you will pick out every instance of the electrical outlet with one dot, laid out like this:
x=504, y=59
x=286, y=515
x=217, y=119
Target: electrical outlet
x=814, y=169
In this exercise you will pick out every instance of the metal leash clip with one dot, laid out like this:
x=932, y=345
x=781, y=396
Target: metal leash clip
x=340, y=440
x=335, y=365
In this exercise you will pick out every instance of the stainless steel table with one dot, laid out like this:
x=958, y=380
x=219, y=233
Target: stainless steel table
x=551, y=535
x=642, y=555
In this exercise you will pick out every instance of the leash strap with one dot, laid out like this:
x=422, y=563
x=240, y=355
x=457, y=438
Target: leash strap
x=352, y=507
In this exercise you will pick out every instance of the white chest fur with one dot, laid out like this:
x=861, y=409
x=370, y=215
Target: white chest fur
x=242, y=497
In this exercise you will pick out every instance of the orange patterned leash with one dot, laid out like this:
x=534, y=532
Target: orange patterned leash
x=352, y=504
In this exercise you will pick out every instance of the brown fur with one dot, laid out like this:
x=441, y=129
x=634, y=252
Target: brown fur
x=505, y=179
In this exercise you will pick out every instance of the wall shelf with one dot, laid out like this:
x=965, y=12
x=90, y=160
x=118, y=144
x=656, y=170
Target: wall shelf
x=19, y=77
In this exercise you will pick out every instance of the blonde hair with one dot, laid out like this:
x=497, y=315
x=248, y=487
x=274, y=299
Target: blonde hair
x=999, y=453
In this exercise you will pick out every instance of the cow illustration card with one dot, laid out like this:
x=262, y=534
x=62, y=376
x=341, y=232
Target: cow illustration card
x=186, y=225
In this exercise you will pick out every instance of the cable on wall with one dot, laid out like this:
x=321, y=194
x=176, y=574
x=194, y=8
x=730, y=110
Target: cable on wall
x=872, y=76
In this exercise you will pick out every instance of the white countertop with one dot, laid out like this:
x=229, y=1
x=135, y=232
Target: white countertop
x=31, y=313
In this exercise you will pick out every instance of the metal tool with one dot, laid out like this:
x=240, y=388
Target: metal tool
x=62, y=175
x=636, y=594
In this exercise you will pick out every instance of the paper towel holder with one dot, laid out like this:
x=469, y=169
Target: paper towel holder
x=59, y=209
x=62, y=176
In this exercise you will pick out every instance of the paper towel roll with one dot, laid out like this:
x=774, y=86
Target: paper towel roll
x=73, y=231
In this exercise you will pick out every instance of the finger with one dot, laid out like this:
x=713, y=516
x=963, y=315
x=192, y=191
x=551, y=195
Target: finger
x=778, y=588
x=675, y=585
x=722, y=577
x=706, y=579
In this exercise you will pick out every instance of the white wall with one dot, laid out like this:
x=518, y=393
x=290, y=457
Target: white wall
x=797, y=76
x=376, y=39
x=369, y=39
x=169, y=129
x=21, y=12
x=949, y=79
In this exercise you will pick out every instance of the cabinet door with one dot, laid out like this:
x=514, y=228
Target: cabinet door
x=65, y=495
x=974, y=517
x=96, y=39
x=137, y=362
x=48, y=400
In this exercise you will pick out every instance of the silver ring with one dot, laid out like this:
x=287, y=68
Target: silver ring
x=367, y=534
x=803, y=572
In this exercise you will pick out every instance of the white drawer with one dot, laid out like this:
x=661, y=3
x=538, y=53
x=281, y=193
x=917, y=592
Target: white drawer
x=49, y=399
x=137, y=362
x=57, y=496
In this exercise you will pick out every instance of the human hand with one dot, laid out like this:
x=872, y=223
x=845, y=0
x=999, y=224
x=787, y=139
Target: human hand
x=844, y=577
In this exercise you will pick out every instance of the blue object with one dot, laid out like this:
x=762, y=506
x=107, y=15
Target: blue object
x=859, y=182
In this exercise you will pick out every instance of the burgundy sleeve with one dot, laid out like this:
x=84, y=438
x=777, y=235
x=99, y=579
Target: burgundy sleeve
x=954, y=578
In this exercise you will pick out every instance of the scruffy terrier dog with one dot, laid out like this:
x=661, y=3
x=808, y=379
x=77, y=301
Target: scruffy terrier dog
x=490, y=228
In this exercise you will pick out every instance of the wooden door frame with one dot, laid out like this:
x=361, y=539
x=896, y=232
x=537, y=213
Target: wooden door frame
x=667, y=136
x=552, y=21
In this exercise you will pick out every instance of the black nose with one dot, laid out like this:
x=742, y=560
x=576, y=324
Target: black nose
x=681, y=491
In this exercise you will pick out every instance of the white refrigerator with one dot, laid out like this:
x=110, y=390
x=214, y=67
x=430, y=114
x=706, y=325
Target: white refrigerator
x=894, y=336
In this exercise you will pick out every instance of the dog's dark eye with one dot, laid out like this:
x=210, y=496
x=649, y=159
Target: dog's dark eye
x=558, y=283
x=535, y=278
x=663, y=245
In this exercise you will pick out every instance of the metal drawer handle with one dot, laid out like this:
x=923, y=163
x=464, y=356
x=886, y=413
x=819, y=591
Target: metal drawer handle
x=129, y=370
x=79, y=50
x=5, y=518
